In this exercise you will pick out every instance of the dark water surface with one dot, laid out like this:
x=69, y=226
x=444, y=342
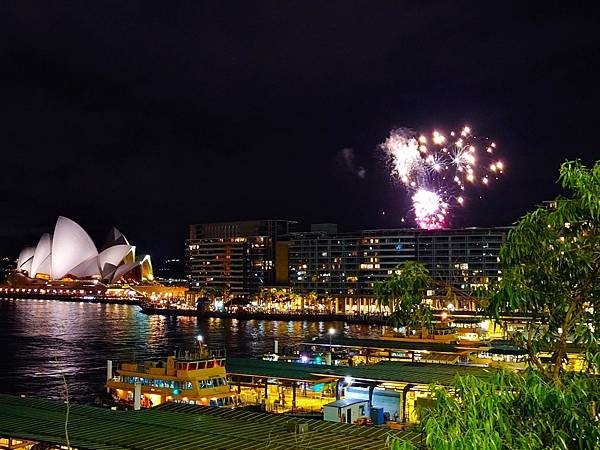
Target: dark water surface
x=42, y=340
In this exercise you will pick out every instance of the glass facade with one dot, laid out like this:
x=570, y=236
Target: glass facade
x=242, y=257
x=234, y=257
x=324, y=263
x=350, y=263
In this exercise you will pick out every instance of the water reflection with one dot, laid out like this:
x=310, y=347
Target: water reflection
x=41, y=340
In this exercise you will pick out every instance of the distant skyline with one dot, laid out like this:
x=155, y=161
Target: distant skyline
x=153, y=116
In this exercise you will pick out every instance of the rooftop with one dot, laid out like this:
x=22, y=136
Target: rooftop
x=176, y=426
x=345, y=402
x=391, y=344
x=416, y=373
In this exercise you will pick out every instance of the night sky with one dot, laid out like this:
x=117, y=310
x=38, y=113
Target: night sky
x=153, y=115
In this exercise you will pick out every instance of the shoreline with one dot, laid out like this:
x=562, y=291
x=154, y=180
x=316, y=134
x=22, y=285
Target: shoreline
x=364, y=319
x=74, y=299
x=245, y=315
x=172, y=312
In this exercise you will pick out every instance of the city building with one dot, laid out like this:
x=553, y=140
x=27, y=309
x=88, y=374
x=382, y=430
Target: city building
x=325, y=262
x=237, y=258
x=348, y=264
x=241, y=258
x=170, y=270
x=7, y=266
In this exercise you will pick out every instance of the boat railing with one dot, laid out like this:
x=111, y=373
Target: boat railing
x=200, y=353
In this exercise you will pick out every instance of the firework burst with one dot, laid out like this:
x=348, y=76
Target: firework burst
x=436, y=169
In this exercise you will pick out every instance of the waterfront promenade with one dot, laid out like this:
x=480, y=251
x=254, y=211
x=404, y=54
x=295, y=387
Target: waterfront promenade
x=72, y=298
x=374, y=319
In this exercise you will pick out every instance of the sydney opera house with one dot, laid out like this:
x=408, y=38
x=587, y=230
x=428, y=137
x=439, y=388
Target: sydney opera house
x=69, y=257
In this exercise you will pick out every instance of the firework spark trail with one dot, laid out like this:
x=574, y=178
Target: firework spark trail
x=436, y=170
x=403, y=149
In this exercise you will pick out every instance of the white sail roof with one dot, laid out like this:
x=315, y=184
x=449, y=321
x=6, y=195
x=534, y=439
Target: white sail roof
x=86, y=269
x=71, y=252
x=113, y=255
x=25, y=258
x=115, y=237
x=145, y=269
x=43, y=249
x=122, y=270
x=147, y=272
x=45, y=266
x=70, y=247
x=108, y=271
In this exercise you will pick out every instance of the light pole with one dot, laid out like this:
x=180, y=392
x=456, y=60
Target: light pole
x=200, y=340
x=328, y=356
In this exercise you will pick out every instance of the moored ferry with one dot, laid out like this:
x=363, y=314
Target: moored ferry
x=196, y=377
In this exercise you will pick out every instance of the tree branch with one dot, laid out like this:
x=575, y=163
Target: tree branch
x=532, y=356
x=562, y=343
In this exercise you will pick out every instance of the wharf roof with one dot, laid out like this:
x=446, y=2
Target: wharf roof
x=388, y=371
x=345, y=402
x=390, y=344
x=179, y=426
x=275, y=369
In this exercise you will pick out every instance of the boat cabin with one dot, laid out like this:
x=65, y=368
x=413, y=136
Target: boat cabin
x=196, y=377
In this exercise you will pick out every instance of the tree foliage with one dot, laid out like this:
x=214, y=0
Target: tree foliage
x=515, y=411
x=403, y=293
x=551, y=268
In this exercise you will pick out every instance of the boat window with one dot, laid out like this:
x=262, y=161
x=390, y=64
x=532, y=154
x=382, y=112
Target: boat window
x=213, y=402
x=210, y=364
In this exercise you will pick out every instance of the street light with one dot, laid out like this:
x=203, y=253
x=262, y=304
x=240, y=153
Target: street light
x=200, y=340
x=331, y=333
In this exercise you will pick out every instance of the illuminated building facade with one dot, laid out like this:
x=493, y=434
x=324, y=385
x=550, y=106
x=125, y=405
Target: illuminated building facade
x=348, y=264
x=7, y=265
x=325, y=262
x=170, y=270
x=70, y=255
x=237, y=258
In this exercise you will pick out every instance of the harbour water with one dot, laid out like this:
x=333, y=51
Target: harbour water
x=43, y=340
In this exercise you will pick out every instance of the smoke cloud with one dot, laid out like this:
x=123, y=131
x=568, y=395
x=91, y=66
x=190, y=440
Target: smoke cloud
x=346, y=158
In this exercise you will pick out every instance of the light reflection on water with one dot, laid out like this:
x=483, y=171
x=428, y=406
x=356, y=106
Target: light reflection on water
x=42, y=340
